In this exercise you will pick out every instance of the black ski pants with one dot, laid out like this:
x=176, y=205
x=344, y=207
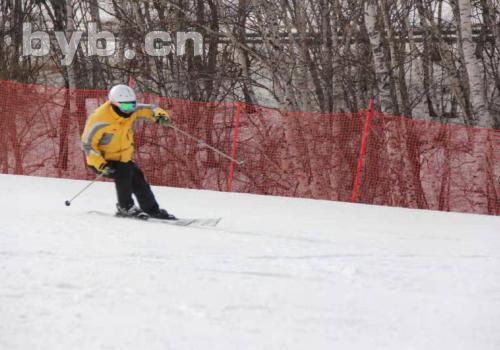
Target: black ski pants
x=129, y=179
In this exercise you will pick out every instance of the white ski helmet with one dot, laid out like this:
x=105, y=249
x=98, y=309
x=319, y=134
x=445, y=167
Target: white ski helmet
x=123, y=97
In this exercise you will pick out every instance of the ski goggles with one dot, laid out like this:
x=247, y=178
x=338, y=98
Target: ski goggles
x=127, y=106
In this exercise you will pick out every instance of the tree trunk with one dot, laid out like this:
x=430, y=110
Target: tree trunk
x=244, y=60
x=480, y=112
x=379, y=57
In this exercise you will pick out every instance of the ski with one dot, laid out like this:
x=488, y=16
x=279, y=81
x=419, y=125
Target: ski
x=195, y=222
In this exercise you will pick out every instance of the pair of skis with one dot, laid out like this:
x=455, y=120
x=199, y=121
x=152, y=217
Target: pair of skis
x=195, y=222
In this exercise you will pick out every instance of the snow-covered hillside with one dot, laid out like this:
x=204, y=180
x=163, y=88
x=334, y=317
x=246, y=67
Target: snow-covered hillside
x=278, y=273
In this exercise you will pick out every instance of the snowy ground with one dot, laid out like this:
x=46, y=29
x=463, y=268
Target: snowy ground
x=279, y=273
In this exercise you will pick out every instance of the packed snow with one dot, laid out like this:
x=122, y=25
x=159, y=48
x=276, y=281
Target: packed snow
x=277, y=273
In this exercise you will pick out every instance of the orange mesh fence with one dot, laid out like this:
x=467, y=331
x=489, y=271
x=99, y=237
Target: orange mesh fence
x=406, y=162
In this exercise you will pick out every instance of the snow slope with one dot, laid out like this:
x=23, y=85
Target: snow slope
x=279, y=273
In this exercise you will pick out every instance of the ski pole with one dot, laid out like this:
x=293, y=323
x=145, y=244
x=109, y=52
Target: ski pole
x=68, y=202
x=203, y=143
x=199, y=141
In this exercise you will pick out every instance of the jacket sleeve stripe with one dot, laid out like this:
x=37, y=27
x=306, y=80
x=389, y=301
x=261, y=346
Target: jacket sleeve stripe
x=87, y=141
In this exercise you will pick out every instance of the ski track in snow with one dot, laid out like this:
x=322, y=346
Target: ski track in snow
x=277, y=273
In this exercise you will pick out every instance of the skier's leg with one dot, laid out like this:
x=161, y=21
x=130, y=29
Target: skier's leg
x=123, y=183
x=142, y=191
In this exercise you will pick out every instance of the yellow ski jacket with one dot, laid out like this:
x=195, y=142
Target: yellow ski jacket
x=107, y=136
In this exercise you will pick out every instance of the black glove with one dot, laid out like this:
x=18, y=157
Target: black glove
x=107, y=171
x=164, y=120
x=162, y=116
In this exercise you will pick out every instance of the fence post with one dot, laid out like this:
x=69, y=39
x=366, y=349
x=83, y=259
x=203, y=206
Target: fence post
x=364, y=139
x=233, y=153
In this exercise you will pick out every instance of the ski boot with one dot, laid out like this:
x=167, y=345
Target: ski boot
x=132, y=212
x=163, y=215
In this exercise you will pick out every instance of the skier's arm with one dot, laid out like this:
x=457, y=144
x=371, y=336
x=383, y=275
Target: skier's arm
x=90, y=144
x=157, y=115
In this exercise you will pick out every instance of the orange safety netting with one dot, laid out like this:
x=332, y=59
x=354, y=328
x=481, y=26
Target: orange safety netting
x=404, y=162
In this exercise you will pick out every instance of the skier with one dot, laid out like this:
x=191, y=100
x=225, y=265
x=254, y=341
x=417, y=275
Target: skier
x=107, y=141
